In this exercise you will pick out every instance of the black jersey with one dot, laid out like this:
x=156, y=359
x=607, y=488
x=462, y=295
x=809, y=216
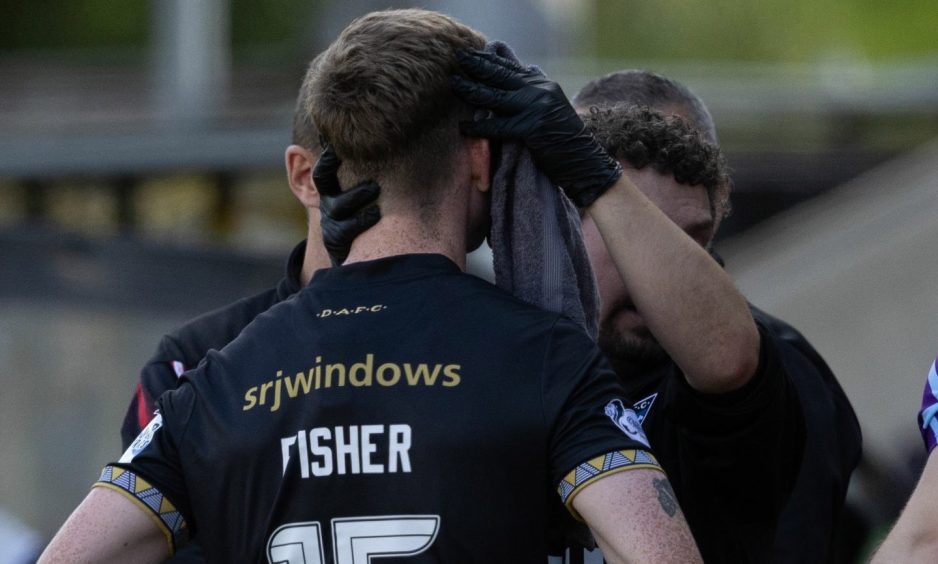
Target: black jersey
x=761, y=473
x=185, y=347
x=394, y=407
x=833, y=445
x=732, y=458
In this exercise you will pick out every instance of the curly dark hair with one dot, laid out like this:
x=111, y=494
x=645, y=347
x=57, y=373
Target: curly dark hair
x=638, y=87
x=641, y=136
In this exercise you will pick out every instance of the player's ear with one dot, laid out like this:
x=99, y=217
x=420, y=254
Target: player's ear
x=300, y=162
x=479, y=163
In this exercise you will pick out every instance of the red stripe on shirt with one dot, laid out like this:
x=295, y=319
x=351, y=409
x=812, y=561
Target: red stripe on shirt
x=144, y=413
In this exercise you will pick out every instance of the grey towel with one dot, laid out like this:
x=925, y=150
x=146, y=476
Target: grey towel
x=536, y=237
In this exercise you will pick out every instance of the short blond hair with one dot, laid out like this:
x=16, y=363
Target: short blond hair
x=381, y=95
x=304, y=130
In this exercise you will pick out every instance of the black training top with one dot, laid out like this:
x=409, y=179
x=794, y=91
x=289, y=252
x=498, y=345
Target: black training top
x=833, y=445
x=186, y=346
x=396, y=406
x=732, y=458
x=761, y=473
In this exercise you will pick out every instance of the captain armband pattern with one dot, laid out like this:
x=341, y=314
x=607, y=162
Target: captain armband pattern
x=600, y=467
x=157, y=506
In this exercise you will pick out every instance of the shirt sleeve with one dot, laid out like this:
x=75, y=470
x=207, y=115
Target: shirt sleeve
x=748, y=440
x=594, y=433
x=149, y=472
x=159, y=375
x=927, y=423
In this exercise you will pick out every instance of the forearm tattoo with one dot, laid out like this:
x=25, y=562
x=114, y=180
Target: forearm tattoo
x=665, y=496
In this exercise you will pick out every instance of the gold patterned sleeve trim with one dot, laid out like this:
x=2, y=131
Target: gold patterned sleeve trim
x=600, y=467
x=151, y=500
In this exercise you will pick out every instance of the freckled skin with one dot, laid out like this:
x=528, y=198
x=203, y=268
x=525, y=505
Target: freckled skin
x=639, y=514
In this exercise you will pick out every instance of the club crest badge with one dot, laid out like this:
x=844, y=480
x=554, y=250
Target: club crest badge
x=643, y=406
x=143, y=439
x=626, y=420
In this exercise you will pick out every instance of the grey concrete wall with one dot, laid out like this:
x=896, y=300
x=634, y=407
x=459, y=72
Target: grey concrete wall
x=856, y=271
x=67, y=374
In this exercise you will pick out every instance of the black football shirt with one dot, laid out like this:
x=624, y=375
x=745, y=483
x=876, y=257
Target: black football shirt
x=396, y=408
x=732, y=459
x=183, y=348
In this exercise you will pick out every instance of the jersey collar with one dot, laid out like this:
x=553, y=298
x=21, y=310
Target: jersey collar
x=385, y=269
x=292, y=282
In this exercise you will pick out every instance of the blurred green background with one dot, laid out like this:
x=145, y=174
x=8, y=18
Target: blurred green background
x=778, y=31
x=781, y=31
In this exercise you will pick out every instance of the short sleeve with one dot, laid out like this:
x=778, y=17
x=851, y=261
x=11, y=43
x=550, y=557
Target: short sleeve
x=149, y=472
x=159, y=375
x=594, y=432
x=927, y=423
x=751, y=439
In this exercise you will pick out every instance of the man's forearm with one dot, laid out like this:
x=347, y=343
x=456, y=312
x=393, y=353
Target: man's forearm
x=107, y=527
x=634, y=517
x=914, y=538
x=690, y=304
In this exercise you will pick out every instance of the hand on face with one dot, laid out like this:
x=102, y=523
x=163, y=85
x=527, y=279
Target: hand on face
x=623, y=333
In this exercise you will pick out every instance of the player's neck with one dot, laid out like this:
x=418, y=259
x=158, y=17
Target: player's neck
x=400, y=235
x=315, y=257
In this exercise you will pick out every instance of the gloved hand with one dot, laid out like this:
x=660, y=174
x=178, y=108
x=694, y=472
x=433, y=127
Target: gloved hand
x=344, y=215
x=531, y=108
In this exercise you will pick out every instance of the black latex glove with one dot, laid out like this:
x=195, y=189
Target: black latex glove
x=531, y=108
x=344, y=215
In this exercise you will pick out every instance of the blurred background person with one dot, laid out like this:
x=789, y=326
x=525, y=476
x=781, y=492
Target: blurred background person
x=914, y=538
x=18, y=543
x=142, y=145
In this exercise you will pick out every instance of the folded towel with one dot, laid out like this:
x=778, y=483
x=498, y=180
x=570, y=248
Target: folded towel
x=536, y=237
